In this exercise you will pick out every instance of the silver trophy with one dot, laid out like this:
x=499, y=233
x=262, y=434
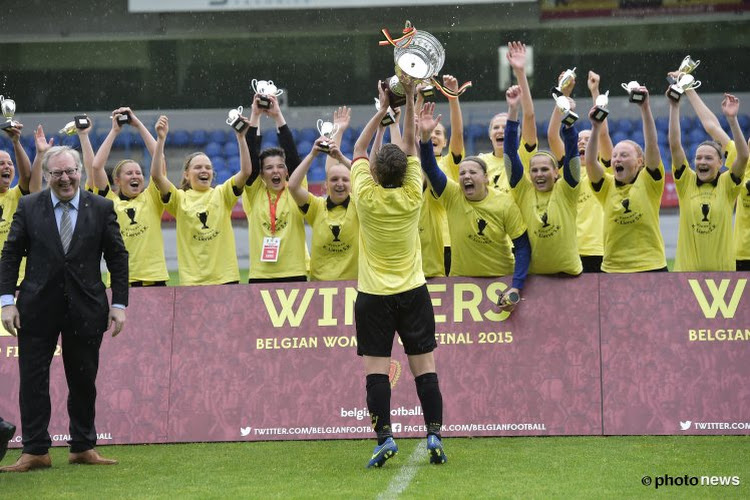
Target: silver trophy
x=327, y=130
x=79, y=122
x=395, y=91
x=265, y=88
x=633, y=88
x=600, y=108
x=9, y=110
x=687, y=66
x=684, y=82
x=389, y=118
x=234, y=119
x=566, y=79
x=563, y=104
x=421, y=56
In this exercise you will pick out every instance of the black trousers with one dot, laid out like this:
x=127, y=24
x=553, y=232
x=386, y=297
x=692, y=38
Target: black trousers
x=80, y=356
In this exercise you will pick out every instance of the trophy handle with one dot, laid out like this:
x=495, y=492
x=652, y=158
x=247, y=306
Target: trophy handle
x=279, y=92
x=625, y=86
x=320, y=126
x=695, y=84
x=254, y=85
x=335, y=129
x=239, y=110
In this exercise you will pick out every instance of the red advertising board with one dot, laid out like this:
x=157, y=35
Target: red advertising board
x=607, y=354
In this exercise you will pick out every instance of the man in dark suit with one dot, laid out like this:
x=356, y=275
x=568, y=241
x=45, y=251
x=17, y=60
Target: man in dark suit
x=63, y=232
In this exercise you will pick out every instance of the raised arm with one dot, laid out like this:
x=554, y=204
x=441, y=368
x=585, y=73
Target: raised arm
x=427, y=123
x=395, y=129
x=572, y=160
x=517, y=58
x=342, y=117
x=42, y=145
x=594, y=169
x=675, y=138
x=730, y=106
x=286, y=139
x=148, y=139
x=295, y=185
x=246, y=166
x=456, y=144
x=157, y=175
x=556, y=145
x=253, y=139
x=23, y=164
x=709, y=120
x=88, y=153
x=360, y=147
x=376, y=144
x=651, y=153
x=605, y=141
x=410, y=127
x=513, y=165
x=98, y=175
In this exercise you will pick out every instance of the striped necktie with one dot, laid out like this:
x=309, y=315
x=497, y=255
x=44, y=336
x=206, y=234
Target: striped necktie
x=66, y=226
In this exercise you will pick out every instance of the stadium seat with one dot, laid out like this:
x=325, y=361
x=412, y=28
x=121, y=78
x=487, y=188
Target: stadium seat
x=213, y=149
x=180, y=138
x=304, y=147
x=231, y=149
x=233, y=164
x=218, y=135
x=218, y=163
x=697, y=135
x=270, y=140
x=198, y=138
x=662, y=125
x=624, y=126
x=687, y=123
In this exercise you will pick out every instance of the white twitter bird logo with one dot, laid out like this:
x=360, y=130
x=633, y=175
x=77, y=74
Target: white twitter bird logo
x=245, y=431
x=685, y=425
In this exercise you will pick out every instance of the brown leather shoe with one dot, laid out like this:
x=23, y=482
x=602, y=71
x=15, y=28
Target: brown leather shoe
x=27, y=462
x=90, y=457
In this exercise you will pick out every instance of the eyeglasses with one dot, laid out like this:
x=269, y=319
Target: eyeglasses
x=57, y=174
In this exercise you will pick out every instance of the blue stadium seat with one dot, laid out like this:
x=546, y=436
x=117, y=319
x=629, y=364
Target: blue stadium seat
x=308, y=134
x=662, y=125
x=218, y=135
x=697, y=135
x=233, y=164
x=231, y=149
x=180, y=138
x=619, y=136
x=198, y=138
x=304, y=147
x=218, y=163
x=223, y=175
x=270, y=140
x=687, y=123
x=583, y=124
x=213, y=149
x=625, y=126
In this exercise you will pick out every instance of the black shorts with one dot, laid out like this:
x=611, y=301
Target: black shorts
x=379, y=317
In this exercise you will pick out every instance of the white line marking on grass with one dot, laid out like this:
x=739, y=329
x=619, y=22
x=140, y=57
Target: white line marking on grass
x=402, y=480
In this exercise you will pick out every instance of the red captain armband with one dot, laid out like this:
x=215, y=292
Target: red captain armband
x=354, y=160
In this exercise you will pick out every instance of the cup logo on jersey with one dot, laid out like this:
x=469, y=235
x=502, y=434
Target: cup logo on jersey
x=130, y=212
x=481, y=225
x=705, y=208
x=335, y=230
x=203, y=218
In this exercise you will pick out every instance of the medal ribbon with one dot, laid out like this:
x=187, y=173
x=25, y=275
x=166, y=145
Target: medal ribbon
x=409, y=33
x=272, y=209
x=450, y=94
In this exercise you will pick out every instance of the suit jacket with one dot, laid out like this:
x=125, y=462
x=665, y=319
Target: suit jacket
x=59, y=283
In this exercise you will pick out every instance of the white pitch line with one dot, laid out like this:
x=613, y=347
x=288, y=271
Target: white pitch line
x=402, y=480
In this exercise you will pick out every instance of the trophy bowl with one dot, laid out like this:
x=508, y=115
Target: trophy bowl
x=600, y=111
x=327, y=130
x=265, y=88
x=234, y=119
x=421, y=56
x=8, y=107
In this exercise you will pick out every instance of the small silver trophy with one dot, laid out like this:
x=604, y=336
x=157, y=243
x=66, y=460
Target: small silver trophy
x=600, y=109
x=389, y=118
x=633, y=88
x=687, y=66
x=566, y=79
x=327, y=130
x=9, y=110
x=563, y=104
x=420, y=56
x=79, y=122
x=395, y=91
x=684, y=82
x=265, y=88
x=234, y=119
